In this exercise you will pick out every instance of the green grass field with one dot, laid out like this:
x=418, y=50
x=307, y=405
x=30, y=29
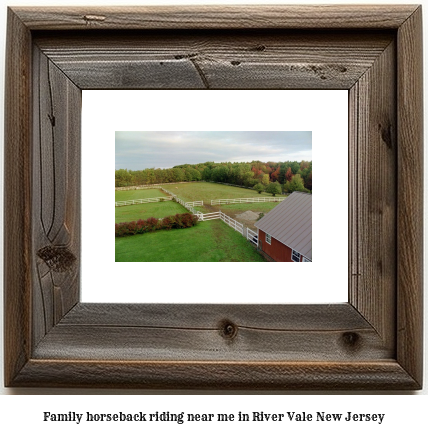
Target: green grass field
x=145, y=210
x=207, y=191
x=138, y=194
x=190, y=192
x=211, y=241
x=238, y=208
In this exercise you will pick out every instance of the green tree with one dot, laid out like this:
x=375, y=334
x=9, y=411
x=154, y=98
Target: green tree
x=295, y=166
x=265, y=179
x=249, y=180
x=187, y=174
x=274, y=188
x=259, y=187
x=220, y=174
x=296, y=184
x=123, y=178
x=195, y=174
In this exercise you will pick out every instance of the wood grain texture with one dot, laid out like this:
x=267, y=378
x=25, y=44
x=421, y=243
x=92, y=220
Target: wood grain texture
x=372, y=342
x=17, y=197
x=55, y=193
x=385, y=375
x=209, y=316
x=373, y=161
x=216, y=60
x=199, y=332
x=217, y=17
x=410, y=195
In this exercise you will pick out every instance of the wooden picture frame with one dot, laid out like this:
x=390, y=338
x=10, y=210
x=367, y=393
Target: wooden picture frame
x=372, y=342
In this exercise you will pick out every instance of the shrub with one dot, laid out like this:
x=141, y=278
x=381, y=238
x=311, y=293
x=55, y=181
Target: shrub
x=140, y=225
x=187, y=220
x=121, y=230
x=132, y=228
x=177, y=221
x=167, y=223
x=152, y=224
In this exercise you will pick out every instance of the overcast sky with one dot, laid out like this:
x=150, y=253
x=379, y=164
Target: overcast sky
x=138, y=150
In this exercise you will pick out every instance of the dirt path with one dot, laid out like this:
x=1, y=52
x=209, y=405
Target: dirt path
x=210, y=208
x=247, y=218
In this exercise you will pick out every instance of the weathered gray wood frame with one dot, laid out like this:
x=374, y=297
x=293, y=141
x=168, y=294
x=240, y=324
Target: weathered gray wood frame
x=372, y=342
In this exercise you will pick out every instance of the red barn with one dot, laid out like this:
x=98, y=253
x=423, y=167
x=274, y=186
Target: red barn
x=285, y=233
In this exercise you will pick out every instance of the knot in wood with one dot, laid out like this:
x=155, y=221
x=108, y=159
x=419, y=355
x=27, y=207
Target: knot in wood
x=351, y=340
x=386, y=134
x=228, y=330
x=58, y=259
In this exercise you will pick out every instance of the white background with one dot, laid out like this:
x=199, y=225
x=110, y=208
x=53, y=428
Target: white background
x=325, y=113
x=405, y=413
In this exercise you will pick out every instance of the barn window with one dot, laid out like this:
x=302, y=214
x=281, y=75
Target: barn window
x=268, y=239
x=295, y=256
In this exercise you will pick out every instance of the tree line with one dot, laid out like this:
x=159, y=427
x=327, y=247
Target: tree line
x=289, y=175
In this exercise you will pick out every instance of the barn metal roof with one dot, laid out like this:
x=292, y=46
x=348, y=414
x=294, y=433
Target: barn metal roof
x=290, y=222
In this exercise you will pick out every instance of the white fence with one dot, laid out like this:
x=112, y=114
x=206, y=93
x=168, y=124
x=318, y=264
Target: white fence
x=239, y=227
x=138, y=201
x=252, y=236
x=208, y=216
x=185, y=204
x=246, y=200
x=196, y=203
x=188, y=205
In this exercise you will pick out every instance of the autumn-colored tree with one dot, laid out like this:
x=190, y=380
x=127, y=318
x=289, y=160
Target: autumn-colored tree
x=304, y=165
x=289, y=174
x=274, y=176
x=269, y=168
x=247, y=174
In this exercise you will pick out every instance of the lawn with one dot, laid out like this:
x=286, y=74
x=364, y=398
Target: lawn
x=143, y=211
x=237, y=208
x=211, y=241
x=207, y=191
x=138, y=194
x=190, y=192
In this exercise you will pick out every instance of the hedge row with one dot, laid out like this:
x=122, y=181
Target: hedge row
x=177, y=221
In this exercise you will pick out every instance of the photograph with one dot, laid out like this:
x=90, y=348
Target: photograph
x=237, y=208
